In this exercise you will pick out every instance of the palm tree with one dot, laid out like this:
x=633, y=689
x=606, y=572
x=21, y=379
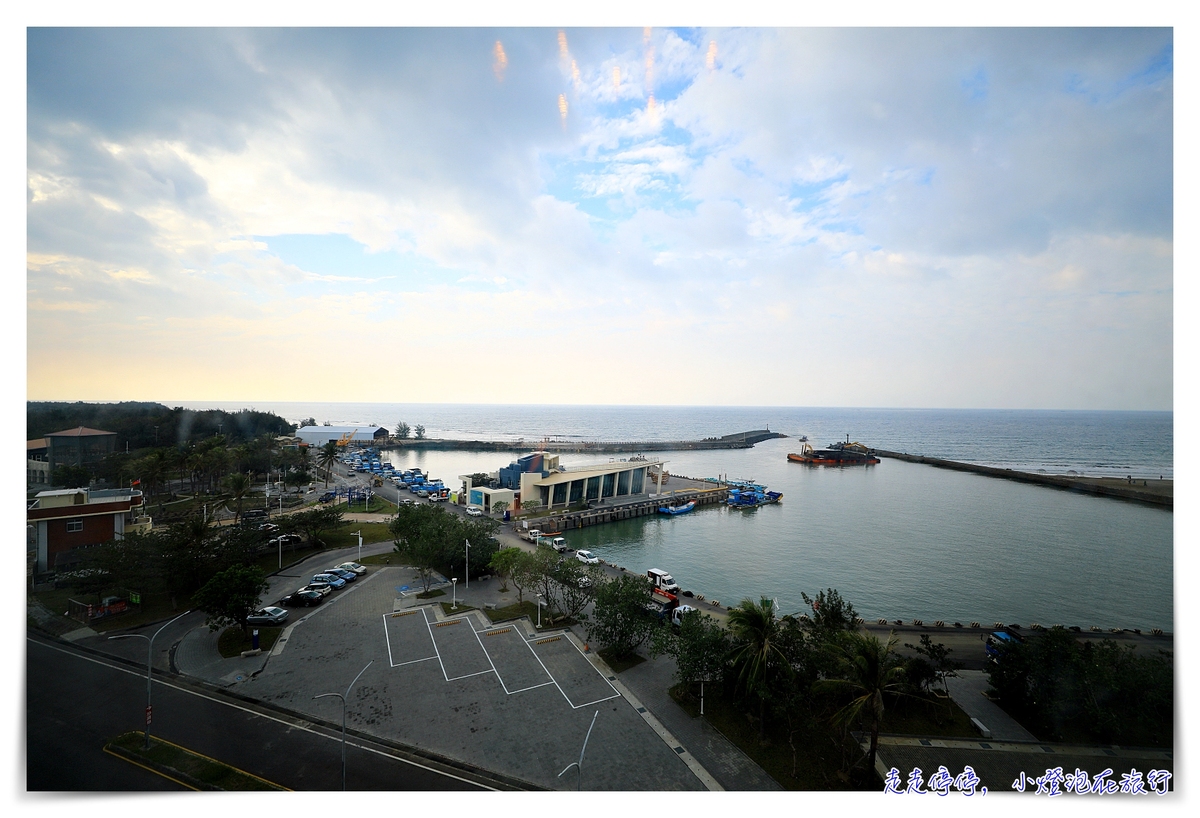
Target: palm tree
x=327, y=457
x=757, y=656
x=868, y=669
x=239, y=486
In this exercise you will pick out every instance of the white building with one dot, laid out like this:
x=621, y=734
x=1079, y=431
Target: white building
x=320, y=435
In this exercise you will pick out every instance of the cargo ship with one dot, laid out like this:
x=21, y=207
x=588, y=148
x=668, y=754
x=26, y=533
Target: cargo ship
x=838, y=454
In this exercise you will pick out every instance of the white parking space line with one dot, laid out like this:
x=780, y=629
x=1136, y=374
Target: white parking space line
x=388, y=639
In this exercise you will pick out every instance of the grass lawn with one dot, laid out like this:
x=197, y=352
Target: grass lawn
x=234, y=640
x=154, y=608
x=344, y=536
x=448, y=611
x=189, y=767
x=383, y=559
x=431, y=594
x=928, y=717
x=377, y=505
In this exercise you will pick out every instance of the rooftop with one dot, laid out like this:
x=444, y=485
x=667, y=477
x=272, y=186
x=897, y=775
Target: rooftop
x=82, y=431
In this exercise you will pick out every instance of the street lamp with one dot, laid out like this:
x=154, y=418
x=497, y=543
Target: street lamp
x=466, y=564
x=539, y=604
x=343, y=698
x=149, y=664
x=453, y=593
x=359, y=533
x=578, y=765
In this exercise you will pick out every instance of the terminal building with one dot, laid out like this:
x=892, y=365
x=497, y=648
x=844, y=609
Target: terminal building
x=540, y=478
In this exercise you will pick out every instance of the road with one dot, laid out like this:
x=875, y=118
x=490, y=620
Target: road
x=76, y=702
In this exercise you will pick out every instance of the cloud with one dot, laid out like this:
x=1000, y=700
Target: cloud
x=925, y=206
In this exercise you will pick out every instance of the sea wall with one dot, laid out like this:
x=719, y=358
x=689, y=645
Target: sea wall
x=1059, y=481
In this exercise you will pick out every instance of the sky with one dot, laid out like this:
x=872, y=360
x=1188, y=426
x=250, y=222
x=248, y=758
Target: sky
x=901, y=217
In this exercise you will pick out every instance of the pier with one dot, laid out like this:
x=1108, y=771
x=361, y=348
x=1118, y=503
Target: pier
x=1154, y=492
x=738, y=440
x=703, y=493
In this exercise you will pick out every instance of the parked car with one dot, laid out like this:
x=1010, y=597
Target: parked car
x=349, y=576
x=353, y=566
x=255, y=514
x=268, y=616
x=559, y=544
x=332, y=579
x=268, y=527
x=304, y=599
x=474, y=511
x=327, y=497
x=285, y=539
x=587, y=557
x=322, y=588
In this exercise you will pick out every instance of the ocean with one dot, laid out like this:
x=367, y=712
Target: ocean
x=899, y=540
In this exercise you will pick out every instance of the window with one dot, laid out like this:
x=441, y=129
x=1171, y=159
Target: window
x=74, y=526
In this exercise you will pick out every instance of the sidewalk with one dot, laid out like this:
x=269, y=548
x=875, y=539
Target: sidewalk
x=732, y=768
x=967, y=691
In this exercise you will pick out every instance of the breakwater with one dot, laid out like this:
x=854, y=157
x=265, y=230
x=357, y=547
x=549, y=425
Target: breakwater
x=1085, y=485
x=738, y=440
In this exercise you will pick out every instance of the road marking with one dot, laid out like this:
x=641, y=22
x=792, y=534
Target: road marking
x=290, y=724
x=150, y=769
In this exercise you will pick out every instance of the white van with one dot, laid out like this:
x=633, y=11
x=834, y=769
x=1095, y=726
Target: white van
x=663, y=581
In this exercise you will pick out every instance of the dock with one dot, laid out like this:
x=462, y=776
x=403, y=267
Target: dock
x=703, y=492
x=1154, y=492
x=738, y=440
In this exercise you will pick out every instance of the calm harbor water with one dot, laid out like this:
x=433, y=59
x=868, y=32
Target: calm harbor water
x=899, y=540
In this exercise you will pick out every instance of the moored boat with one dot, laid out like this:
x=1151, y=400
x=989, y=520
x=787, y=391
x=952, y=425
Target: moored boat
x=752, y=497
x=678, y=508
x=838, y=454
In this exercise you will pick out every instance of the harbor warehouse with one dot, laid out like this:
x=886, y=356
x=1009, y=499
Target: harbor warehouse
x=539, y=477
x=320, y=435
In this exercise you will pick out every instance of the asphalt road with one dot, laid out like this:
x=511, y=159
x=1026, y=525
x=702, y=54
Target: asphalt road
x=76, y=702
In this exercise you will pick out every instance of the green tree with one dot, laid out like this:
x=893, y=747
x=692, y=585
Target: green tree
x=315, y=521
x=830, y=613
x=70, y=476
x=402, y=430
x=231, y=596
x=421, y=535
x=938, y=657
x=700, y=647
x=502, y=564
x=620, y=619
x=419, y=431
x=327, y=457
x=499, y=507
x=757, y=656
x=868, y=671
x=238, y=486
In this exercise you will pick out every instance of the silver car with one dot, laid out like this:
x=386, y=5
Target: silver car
x=268, y=616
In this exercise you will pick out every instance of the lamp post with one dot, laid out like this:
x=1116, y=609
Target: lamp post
x=453, y=593
x=343, y=698
x=578, y=765
x=359, y=533
x=150, y=664
x=466, y=564
x=539, y=604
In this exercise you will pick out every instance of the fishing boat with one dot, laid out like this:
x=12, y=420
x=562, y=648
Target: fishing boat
x=838, y=454
x=752, y=497
x=678, y=508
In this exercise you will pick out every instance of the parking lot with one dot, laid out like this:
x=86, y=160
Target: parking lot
x=497, y=696
x=468, y=645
